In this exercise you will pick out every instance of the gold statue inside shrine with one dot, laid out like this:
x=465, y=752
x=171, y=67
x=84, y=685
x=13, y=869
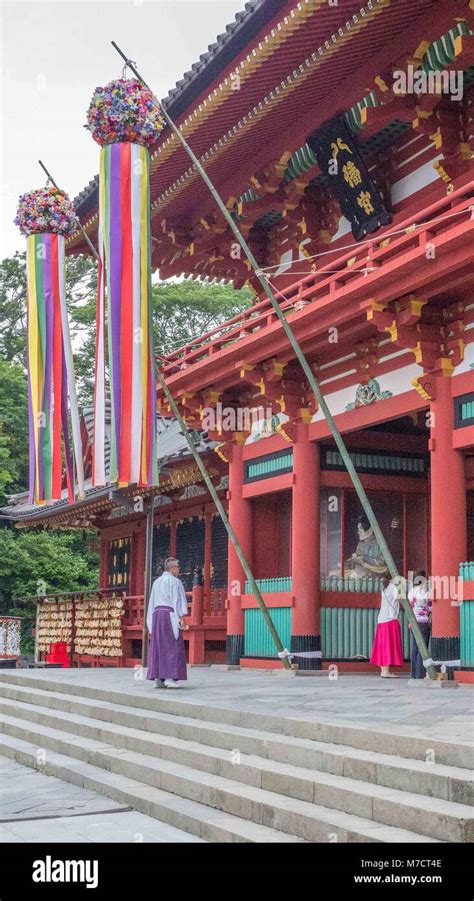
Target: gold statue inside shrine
x=367, y=559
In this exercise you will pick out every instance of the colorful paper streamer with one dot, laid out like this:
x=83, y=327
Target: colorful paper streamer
x=124, y=314
x=51, y=381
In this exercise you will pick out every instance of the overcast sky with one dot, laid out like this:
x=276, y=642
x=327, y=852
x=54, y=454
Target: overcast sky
x=53, y=56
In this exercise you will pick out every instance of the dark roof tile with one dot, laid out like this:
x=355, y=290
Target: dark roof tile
x=219, y=54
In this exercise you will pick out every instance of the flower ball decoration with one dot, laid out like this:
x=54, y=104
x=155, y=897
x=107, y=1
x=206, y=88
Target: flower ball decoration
x=46, y=210
x=124, y=110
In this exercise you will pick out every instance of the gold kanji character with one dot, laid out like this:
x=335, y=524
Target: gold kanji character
x=338, y=145
x=365, y=201
x=351, y=174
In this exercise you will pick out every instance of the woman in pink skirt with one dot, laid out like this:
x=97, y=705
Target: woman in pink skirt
x=387, y=649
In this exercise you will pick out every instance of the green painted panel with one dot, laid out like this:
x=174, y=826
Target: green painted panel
x=467, y=410
x=258, y=642
x=378, y=462
x=348, y=632
x=300, y=161
x=467, y=633
x=406, y=637
x=354, y=115
x=441, y=52
x=273, y=466
x=466, y=572
x=280, y=583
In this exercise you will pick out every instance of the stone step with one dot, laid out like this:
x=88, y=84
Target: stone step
x=180, y=737
x=393, y=815
x=370, y=739
x=210, y=824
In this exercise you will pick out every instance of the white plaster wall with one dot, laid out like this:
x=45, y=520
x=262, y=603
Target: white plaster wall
x=397, y=382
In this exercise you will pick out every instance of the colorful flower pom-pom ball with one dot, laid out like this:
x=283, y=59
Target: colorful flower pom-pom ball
x=46, y=210
x=124, y=110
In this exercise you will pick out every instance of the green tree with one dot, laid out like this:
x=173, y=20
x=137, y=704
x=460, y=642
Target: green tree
x=185, y=310
x=13, y=308
x=81, y=288
x=181, y=311
x=65, y=560
x=13, y=429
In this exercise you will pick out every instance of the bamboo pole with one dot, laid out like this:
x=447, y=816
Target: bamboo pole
x=217, y=502
x=313, y=382
x=225, y=519
x=86, y=236
x=148, y=573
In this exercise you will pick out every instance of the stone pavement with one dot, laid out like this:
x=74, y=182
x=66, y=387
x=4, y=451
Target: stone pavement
x=37, y=808
x=247, y=755
x=360, y=700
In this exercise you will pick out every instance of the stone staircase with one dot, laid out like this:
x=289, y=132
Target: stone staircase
x=231, y=776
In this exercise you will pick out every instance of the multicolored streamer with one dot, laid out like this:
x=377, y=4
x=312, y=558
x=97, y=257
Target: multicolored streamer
x=50, y=373
x=124, y=305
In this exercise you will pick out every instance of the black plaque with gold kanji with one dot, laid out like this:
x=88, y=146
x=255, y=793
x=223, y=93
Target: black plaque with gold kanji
x=348, y=178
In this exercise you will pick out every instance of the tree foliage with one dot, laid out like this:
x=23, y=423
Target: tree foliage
x=66, y=560
x=185, y=310
x=13, y=429
x=181, y=311
x=13, y=308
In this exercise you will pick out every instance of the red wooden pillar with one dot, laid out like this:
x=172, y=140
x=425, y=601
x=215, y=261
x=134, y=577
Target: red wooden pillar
x=104, y=564
x=207, y=558
x=240, y=516
x=305, y=631
x=196, y=632
x=137, y=563
x=448, y=523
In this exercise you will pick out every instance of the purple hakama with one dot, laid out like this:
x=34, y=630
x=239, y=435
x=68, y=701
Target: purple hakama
x=167, y=655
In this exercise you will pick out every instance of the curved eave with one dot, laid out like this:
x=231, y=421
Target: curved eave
x=287, y=89
x=96, y=500
x=203, y=72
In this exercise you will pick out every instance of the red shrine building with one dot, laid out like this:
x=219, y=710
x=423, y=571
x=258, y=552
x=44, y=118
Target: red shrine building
x=341, y=138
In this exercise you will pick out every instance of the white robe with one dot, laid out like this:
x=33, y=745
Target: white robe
x=168, y=591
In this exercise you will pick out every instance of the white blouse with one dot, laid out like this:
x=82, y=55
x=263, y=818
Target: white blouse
x=390, y=606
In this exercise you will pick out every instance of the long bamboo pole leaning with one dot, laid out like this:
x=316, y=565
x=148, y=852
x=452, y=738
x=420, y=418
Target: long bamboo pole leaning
x=215, y=497
x=313, y=382
x=86, y=236
x=148, y=572
x=225, y=519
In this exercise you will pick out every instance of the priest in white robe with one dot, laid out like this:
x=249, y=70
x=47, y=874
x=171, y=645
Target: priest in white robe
x=166, y=609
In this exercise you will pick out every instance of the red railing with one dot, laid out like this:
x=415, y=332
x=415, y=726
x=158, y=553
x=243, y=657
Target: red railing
x=214, y=604
x=134, y=611
x=391, y=243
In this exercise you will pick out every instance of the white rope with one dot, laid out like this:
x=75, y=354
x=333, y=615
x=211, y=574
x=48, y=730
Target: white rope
x=445, y=663
x=266, y=269
x=287, y=654
x=401, y=231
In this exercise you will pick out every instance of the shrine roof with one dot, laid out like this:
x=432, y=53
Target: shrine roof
x=219, y=54
x=171, y=446
x=298, y=64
